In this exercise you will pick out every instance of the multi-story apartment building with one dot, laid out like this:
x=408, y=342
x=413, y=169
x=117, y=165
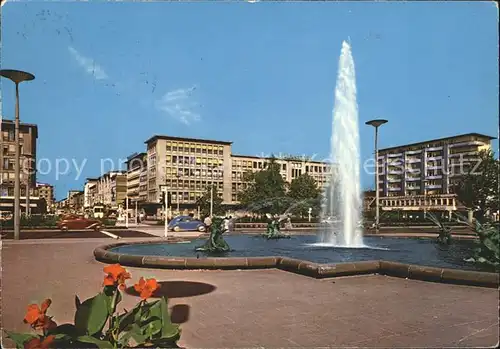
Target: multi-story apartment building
x=46, y=192
x=111, y=189
x=186, y=166
x=89, y=192
x=290, y=167
x=76, y=199
x=28, y=134
x=430, y=167
x=136, y=164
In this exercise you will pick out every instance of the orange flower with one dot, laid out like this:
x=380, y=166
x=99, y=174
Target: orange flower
x=36, y=343
x=146, y=288
x=37, y=318
x=115, y=276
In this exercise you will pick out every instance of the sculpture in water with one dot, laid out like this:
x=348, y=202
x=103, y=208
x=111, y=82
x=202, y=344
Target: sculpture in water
x=444, y=237
x=342, y=200
x=215, y=242
x=273, y=230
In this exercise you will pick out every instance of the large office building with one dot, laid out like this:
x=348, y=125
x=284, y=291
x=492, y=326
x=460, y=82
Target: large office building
x=186, y=166
x=28, y=134
x=430, y=167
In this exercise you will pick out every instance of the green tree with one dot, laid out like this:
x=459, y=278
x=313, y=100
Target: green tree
x=204, y=202
x=478, y=189
x=266, y=190
x=305, y=193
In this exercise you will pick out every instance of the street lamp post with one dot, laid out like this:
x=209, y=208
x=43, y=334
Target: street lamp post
x=17, y=76
x=376, y=123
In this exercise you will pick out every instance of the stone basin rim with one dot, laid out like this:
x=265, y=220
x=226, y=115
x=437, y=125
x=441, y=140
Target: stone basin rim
x=297, y=266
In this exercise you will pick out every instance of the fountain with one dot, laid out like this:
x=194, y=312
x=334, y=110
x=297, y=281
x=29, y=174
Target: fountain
x=342, y=200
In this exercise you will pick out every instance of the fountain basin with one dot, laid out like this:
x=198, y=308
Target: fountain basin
x=295, y=255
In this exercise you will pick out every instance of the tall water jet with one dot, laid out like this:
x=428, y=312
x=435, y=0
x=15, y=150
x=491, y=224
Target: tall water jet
x=342, y=197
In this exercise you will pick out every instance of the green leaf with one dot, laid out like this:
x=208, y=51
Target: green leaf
x=136, y=333
x=109, y=291
x=65, y=329
x=92, y=315
x=169, y=330
x=20, y=338
x=152, y=320
x=92, y=340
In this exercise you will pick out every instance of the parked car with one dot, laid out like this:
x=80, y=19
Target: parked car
x=78, y=222
x=186, y=223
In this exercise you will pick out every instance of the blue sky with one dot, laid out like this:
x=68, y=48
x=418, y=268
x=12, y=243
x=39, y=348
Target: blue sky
x=109, y=75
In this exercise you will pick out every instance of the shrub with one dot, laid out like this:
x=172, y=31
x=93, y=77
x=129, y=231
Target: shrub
x=97, y=322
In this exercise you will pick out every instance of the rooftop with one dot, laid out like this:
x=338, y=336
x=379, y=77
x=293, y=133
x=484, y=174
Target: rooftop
x=171, y=138
x=437, y=140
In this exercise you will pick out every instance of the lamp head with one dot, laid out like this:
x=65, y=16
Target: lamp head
x=376, y=122
x=16, y=76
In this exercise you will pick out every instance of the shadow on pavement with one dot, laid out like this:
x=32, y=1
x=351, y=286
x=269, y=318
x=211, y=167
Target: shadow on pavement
x=180, y=313
x=178, y=289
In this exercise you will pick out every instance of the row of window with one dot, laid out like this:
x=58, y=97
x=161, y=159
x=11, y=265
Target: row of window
x=196, y=149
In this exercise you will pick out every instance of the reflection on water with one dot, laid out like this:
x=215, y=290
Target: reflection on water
x=404, y=250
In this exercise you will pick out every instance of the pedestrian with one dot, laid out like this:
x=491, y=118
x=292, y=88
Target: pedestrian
x=208, y=223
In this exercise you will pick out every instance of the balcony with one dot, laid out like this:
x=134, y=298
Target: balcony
x=435, y=148
x=463, y=154
x=395, y=172
x=434, y=177
x=410, y=152
x=397, y=155
x=434, y=157
x=465, y=144
x=395, y=189
x=433, y=186
x=394, y=180
x=412, y=179
x=413, y=160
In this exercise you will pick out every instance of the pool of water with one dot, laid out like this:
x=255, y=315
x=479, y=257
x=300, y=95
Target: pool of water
x=405, y=250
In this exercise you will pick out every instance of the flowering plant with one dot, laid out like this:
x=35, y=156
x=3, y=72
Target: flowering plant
x=148, y=324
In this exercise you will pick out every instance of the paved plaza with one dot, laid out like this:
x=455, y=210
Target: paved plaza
x=259, y=308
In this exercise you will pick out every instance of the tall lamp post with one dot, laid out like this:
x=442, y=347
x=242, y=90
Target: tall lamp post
x=17, y=76
x=376, y=123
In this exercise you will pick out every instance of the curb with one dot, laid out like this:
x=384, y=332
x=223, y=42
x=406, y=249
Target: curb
x=297, y=266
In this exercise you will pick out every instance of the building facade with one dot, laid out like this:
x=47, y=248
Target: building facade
x=111, y=189
x=290, y=168
x=89, y=192
x=428, y=168
x=187, y=166
x=136, y=163
x=28, y=134
x=46, y=191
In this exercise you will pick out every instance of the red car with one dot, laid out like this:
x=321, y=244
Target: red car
x=78, y=222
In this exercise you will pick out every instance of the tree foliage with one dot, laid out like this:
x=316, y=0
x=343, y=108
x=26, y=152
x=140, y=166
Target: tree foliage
x=266, y=190
x=204, y=202
x=478, y=189
x=305, y=194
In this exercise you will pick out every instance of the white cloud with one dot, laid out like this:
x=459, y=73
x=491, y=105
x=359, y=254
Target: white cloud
x=179, y=105
x=90, y=66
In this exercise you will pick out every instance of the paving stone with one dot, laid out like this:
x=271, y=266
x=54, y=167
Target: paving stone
x=261, y=308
